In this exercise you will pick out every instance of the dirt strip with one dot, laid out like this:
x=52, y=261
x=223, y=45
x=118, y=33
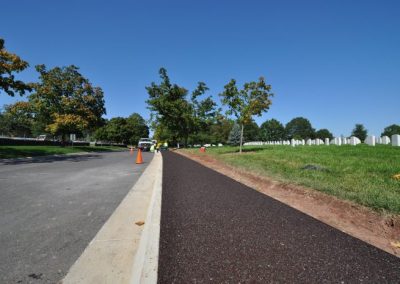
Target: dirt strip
x=380, y=230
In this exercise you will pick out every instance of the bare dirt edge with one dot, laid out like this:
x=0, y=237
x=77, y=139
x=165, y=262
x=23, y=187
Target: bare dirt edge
x=377, y=229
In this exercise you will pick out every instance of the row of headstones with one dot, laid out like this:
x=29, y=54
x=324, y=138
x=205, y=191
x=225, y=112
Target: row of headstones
x=370, y=140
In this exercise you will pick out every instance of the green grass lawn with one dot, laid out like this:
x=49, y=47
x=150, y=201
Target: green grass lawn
x=362, y=173
x=7, y=152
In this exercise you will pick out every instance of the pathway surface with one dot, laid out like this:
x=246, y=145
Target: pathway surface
x=216, y=230
x=52, y=207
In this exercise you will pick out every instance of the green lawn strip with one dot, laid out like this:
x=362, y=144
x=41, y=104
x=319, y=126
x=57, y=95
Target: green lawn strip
x=7, y=152
x=362, y=174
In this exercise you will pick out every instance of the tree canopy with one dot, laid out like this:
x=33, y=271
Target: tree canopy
x=391, y=130
x=272, y=130
x=360, y=132
x=253, y=99
x=173, y=114
x=66, y=102
x=123, y=130
x=299, y=128
x=323, y=133
x=10, y=64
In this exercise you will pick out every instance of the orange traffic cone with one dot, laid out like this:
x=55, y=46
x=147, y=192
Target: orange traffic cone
x=131, y=150
x=139, y=159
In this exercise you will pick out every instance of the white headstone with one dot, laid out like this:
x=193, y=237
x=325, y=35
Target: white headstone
x=308, y=142
x=385, y=140
x=370, y=140
x=396, y=140
x=354, y=141
x=344, y=140
x=339, y=141
x=327, y=141
x=303, y=142
x=293, y=143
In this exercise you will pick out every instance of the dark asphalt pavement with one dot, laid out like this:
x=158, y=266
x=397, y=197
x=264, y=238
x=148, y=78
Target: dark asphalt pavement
x=52, y=207
x=216, y=230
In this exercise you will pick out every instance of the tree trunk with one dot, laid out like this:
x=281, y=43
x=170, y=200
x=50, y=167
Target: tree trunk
x=241, y=139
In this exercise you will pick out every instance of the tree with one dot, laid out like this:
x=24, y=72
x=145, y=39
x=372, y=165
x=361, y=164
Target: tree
x=123, y=130
x=168, y=106
x=253, y=99
x=18, y=119
x=272, y=130
x=251, y=132
x=391, y=130
x=235, y=136
x=172, y=113
x=299, y=128
x=137, y=128
x=360, y=132
x=323, y=134
x=220, y=130
x=66, y=102
x=10, y=64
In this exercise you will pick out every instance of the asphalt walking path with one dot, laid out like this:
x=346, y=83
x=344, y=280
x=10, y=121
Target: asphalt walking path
x=216, y=230
x=52, y=207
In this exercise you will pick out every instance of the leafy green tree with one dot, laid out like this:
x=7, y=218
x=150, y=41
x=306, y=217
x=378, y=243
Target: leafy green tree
x=391, y=130
x=66, y=102
x=219, y=131
x=323, y=133
x=137, y=128
x=169, y=107
x=299, y=128
x=272, y=130
x=253, y=99
x=173, y=114
x=251, y=132
x=9, y=65
x=235, y=136
x=123, y=130
x=360, y=132
x=19, y=119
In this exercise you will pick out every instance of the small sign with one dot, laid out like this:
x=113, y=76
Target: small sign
x=72, y=137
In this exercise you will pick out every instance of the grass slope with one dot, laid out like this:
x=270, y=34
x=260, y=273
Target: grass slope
x=362, y=174
x=7, y=152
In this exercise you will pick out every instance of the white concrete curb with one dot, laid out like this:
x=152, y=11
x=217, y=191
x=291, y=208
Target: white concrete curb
x=123, y=252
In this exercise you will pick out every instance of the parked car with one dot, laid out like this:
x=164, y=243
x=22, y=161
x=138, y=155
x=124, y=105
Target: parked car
x=145, y=144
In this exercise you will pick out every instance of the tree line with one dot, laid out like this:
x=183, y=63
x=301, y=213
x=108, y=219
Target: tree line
x=62, y=102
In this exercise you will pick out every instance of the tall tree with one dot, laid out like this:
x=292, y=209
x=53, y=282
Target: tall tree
x=299, y=128
x=251, y=132
x=137, y=128
x=323, y=134
x=272, y=130
x=66, y=102
x=360, y=132
x=10, y=64
x=235, y=136
x=176, y=116
x=168, y=106
x=18, y=119
x=253, y=99
x=391, y=130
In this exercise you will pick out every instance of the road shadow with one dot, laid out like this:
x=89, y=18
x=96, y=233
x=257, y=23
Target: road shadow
x=50, y=159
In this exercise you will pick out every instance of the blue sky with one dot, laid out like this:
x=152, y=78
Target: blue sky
x=335, y=62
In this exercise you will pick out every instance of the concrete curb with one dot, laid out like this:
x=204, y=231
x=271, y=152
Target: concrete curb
x=122, y=251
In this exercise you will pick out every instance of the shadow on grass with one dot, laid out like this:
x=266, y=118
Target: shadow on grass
x=50, y=159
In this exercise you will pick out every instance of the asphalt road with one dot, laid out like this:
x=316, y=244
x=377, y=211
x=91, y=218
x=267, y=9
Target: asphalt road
x=52, y=207
x=216, y=230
